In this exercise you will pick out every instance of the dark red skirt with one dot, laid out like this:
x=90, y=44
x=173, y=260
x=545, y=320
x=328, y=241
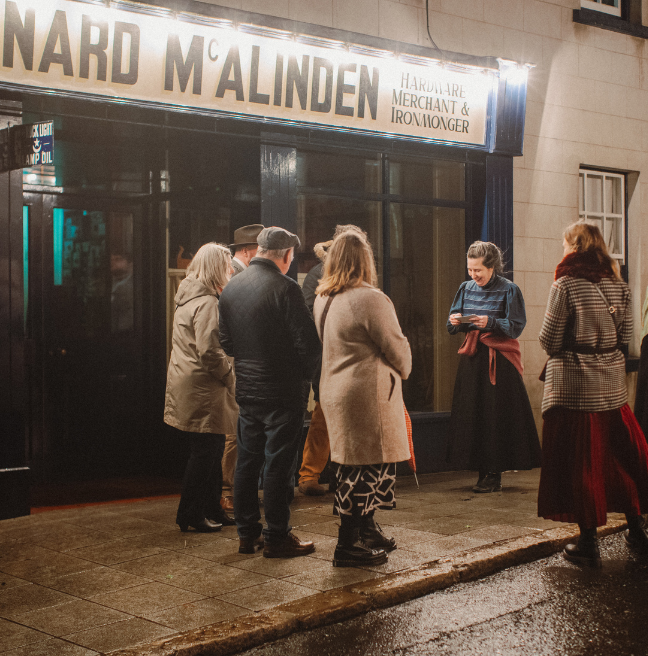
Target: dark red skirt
x=592, y=463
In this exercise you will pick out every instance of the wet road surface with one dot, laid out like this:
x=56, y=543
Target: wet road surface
x=547, y=607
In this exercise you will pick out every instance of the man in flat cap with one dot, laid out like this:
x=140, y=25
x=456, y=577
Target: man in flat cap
x=244, y=247
x=268, y=330
x=243, y=250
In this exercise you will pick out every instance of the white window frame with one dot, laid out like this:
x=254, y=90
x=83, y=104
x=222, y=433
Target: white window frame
x=597, y=5
x=604, y=220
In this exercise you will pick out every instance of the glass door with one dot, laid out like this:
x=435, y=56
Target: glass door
x=84, y=328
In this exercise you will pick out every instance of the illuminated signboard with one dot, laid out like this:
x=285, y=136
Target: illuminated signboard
x=216, y=66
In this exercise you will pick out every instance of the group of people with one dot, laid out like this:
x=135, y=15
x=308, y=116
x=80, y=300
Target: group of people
x=247, y=348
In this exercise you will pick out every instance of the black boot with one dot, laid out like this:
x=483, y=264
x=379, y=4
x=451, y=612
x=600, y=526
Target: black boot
x=636, y=537
x=586, y=552
x=351, y=551
x=372, y=535
x=491, y=482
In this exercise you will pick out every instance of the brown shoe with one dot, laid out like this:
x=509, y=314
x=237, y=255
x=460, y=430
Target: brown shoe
x=289, y=547
x=250, y=545
x=312, y=488
x=227, y=504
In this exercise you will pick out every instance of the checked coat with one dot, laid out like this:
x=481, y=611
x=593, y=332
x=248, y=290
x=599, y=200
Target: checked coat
x=577, y=315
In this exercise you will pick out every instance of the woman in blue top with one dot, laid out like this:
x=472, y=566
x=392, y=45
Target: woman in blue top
x=492, y=428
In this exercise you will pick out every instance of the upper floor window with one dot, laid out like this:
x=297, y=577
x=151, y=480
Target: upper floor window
x=606, y=6
x=601, y=202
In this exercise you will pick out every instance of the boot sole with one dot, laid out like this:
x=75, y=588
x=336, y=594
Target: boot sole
x=364, y=562
x=582, y=560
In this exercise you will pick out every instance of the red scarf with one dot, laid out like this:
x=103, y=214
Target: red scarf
x=509, y=348
x=584, y=265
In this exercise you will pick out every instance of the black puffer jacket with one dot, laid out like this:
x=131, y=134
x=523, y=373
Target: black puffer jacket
x=266, y=326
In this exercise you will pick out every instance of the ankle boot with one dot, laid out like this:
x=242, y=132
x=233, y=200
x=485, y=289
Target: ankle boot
x=351, y=551
x=491, y=482
x=586, y=552
x=373, y=536
x=636, y=537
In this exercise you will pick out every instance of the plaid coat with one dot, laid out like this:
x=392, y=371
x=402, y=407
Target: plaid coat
x=577, y=315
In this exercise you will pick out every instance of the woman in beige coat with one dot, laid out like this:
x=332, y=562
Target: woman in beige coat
x=200, y=388
x=365, y=357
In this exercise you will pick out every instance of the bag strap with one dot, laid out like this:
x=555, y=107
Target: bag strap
x=610, y=308
x=324, y=313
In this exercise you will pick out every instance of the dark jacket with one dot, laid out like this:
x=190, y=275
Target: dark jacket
x=268, y=330
x=310, y=284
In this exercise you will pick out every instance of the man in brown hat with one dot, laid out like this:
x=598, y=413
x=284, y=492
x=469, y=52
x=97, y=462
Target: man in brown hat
x=245, y=246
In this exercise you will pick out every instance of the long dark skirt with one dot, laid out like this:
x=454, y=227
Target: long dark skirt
x=492, y=427
x=593, y=463
x=641, y=399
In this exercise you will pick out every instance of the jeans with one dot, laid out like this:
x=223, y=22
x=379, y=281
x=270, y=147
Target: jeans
x=270, y=434
x=203, y=478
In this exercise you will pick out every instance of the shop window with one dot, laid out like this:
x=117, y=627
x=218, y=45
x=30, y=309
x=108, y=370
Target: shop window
x=612, y=7
x=601, y=202
x=420, y=203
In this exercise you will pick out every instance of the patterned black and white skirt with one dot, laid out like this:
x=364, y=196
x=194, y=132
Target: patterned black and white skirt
x=364, y=488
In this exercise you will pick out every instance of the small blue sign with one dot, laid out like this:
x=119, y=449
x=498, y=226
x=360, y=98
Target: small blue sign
x=40, y=137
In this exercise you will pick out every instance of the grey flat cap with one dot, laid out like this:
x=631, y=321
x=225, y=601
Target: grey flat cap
x=276, y=239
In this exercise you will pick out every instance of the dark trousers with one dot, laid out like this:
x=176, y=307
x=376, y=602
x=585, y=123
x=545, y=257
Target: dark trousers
x=202, y=484
x=271, y=435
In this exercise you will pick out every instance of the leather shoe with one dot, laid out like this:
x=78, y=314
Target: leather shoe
x=583, y=554
x=221, y=517
x=311, y=488
x=290, y=547
x=637, y=540
x=227, y=504
x=250, y=545
x=203, y=526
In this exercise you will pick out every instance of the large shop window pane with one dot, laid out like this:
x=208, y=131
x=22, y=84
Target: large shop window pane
x=317, y=217
x=341, y=172
x=441, y=180
x=214, y=183
x=427, y=267
x=602, y=203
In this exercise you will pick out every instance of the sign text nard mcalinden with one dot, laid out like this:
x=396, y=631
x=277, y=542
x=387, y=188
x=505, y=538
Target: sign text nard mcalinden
x=278, y=79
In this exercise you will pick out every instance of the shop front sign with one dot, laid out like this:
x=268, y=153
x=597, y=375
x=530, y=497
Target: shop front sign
x=212, y=65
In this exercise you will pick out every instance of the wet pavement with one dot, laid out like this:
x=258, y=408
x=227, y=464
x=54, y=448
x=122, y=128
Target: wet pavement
x=548, y=607
x=122, y=578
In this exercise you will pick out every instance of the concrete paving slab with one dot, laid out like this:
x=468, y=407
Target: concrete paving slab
x=122, y=578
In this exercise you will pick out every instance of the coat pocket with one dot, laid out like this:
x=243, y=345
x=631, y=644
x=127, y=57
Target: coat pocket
x=392, y=385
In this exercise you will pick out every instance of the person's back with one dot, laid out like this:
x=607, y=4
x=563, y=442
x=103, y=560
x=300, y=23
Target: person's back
x=263, y=319
x=587, y=370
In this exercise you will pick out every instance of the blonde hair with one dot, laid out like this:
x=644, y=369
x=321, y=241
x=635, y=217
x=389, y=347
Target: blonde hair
x=349, y=263
x=585, y=237
x=489, y=253
x=211, y=266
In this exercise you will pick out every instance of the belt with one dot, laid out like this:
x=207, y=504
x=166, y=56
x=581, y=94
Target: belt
x=586, y=349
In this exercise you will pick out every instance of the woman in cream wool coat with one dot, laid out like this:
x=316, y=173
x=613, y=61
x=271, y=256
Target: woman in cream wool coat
x=200, y=388
x=365, y=357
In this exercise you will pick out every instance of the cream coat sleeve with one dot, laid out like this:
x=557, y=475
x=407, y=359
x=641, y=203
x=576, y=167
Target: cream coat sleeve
x=383, y=328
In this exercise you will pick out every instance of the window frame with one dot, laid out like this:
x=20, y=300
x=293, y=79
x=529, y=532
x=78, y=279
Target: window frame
x=584, y=213
x=597, y=5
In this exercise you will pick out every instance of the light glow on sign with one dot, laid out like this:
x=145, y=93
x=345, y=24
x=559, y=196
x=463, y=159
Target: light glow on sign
x=133, y=52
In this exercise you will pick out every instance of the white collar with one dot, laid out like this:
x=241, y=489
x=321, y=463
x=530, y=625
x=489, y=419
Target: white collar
x=239, y=261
